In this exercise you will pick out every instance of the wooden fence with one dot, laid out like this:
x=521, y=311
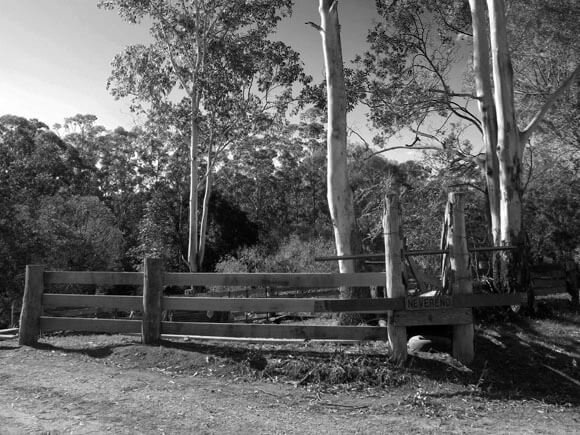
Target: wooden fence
x=432, y=311
x=398, y=309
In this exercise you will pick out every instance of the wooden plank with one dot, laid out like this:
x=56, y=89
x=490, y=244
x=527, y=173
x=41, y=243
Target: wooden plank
x=303, y=280
x=287, y=305
x=128, y=303
x=114, y=326
x=452, y=316
x=273, y=292
x=415, y=272
x=548, y=283
x=379, y=305
x=275, y=331
x=488, y=300
x=70, y=312
x=420, y=275
x=549, y=291
x=554, y=274
x=101, y=278
x=9, y=331
x=257, y=305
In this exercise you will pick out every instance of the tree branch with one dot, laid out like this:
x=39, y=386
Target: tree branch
x=404, y=147
x=527, y=132
x=454, y=94
x=316, y=26
x=468, y=185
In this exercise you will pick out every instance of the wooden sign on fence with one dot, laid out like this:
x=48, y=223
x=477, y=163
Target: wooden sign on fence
x=413, y=303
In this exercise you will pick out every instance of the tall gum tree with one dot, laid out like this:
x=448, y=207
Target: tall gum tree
x=408, y=83
x=510, y=144
x=199, y=49
x=483, y=90
x=339, y=192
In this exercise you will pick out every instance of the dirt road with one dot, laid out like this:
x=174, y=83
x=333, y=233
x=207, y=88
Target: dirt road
x=112, y=384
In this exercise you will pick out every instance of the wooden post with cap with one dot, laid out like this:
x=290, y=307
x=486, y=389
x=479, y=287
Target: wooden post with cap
x=152, y=294
x=31, y=305
x=394, y=287
x=460, y=274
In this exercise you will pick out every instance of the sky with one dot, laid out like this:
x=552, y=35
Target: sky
x=56, y=54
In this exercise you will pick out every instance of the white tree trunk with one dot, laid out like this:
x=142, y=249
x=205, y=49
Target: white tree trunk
x=193, y=250
x=339, y=193
x=509, y=148
x=483, y=88
x=394, y=286
x=205, y=212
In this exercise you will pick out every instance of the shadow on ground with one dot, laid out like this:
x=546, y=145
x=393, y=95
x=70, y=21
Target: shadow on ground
x=517, y=358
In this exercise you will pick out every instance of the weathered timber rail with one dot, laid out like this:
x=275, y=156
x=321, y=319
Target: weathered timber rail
x=33, y=322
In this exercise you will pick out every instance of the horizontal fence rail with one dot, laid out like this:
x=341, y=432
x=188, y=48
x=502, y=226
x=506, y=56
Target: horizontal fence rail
x=264, y=305
x=98, y=278
x=300, y=280
x=129, y=303
x=305, y=332
x=113, y=326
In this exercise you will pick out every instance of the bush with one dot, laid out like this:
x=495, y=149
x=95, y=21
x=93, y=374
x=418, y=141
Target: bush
x=294, y=255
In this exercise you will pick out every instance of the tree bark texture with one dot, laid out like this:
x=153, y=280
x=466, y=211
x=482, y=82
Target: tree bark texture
x=504, y=141
x=339, y=193
x=152, y=294
x=510, y=151
x=394, y=287
x=205, y=216
x=508, y=144
x=483, y=88
x=461, y=275
x=193, y=250
x=31, y=306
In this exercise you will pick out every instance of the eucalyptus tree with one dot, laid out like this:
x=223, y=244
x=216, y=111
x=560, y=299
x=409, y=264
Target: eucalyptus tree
x=211, y=68
x=339, y=191
x=511, y=140
x=410, y=68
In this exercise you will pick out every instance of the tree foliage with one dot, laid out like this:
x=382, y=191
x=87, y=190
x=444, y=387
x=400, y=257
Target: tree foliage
x=211, y=73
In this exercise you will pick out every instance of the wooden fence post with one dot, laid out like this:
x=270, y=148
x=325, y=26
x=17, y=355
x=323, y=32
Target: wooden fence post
x=460, y=274
x=394, y=273
x=31, y=305
x=152, y=294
